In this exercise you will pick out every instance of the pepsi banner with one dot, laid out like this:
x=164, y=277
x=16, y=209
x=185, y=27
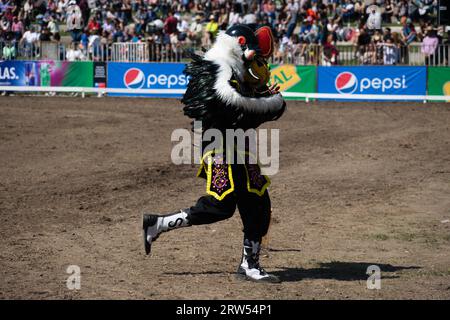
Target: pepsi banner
x=166, y=76
x=375, y=80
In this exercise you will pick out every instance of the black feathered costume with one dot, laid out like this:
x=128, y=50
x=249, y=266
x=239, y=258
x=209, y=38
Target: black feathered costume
x=218, y=96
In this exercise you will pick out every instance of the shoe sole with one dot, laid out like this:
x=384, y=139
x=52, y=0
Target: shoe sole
x=147, y=221
x=244, y=277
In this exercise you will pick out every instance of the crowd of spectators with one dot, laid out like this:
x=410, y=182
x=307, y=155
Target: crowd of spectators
x=172, y=25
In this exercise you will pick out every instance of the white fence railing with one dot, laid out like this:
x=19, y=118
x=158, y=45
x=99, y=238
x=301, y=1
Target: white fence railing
x=374, y=54
x=118, y=51
x=300, y=54
x=129, y=52
x=306, y=96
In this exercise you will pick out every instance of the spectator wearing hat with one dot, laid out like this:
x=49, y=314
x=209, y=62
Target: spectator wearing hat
x=74, y=20
x=210, y=32
x=374, y=18
x=195, y=31
x=429, y=46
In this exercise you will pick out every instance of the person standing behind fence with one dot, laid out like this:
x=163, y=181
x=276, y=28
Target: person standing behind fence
x=74, y=53
x=408, y=35
x=170, y=24
x=429, y=46
x=17, y=29
x=390, y=52
x=53, y=26
x=29, y=40
x=94, y=46
x=9, y=52
x=330, y=52
x=195, y=32
x=74, y=20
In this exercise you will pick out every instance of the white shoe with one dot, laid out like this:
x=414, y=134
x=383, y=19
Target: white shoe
x=153, y=225
x=249, y=269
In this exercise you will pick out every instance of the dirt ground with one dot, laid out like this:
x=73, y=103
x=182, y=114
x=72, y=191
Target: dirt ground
x=359, y=184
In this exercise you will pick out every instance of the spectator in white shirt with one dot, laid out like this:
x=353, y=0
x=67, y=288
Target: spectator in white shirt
x=390, y=52
x=196, y=31
x=29, y=39
x=52, y=26
x=94, y=45
x=374, y=19
x=74, y=53
x=234, y=17
x=61, y=9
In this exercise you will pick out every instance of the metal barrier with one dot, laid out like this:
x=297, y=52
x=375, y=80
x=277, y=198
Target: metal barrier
x=390, y=54
x=373, y=54
x=48, y=50
x=301, y=54
x=129, y=52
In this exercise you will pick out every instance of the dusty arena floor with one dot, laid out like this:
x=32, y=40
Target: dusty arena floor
x=359, y=184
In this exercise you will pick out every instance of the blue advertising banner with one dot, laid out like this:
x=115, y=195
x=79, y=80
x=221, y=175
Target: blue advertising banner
x=167, y=76
x=19, y=73
x=379, y=80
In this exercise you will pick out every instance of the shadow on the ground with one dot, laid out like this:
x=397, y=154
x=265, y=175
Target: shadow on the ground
x=283, y=250
x=337, y=270
x=190, y=273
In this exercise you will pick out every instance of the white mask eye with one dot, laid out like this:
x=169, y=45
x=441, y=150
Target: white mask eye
x=252, y=74
x=249, y=54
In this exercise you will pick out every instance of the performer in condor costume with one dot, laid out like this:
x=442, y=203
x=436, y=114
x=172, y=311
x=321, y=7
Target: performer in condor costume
x=228, y=90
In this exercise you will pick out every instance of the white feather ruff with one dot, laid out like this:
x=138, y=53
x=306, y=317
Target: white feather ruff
x=227, y=54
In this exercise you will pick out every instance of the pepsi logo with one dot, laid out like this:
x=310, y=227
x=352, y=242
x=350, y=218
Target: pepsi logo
x=346, y=82
x=134, y=78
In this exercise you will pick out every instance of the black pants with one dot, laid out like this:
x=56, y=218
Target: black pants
x=254, y=209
